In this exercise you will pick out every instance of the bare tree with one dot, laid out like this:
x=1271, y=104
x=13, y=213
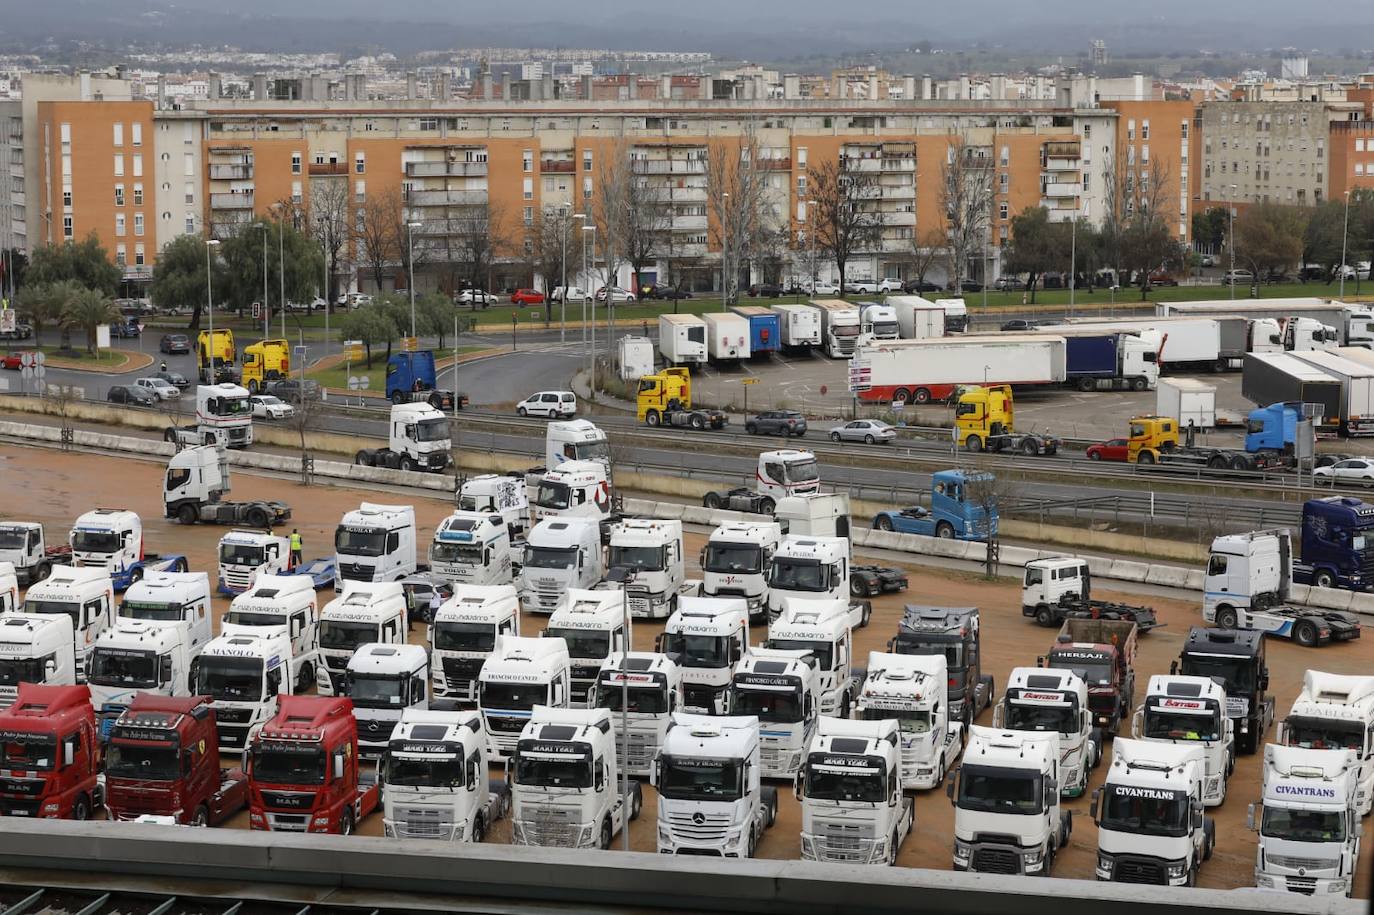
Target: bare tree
x=1136, y=224
x=557, y=240
x=374, y=233
x=479, y=237
x=330, y=221
x=58, y=400
x=305, y=420
x=647, y=222
x=614, y=178
x=844, y=216
x=965, y=201
x=734, y=192
x=928, y=247
x=990, y=492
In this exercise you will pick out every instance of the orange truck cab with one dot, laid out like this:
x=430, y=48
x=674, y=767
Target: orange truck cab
x=163, y=760
x=303, y=769
x=48, y=746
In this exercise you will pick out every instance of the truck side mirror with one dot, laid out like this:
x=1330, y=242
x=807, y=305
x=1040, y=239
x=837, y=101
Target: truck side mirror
x=797, y=784
x=49, y=668
x=472, y=776
x=1137, y=722
x=1197, y=814
x=701, y=558
x=1040, y=661
x=1173, y=668
x=1051, y=790
x=338, y=766
x=658, y=643
x=68, y=753
x=1264, y=680
x=949, y=789
x=1280, y=734
x=1250, y=818
x=1359, y=829
x=164, y=673
x=1092, y=808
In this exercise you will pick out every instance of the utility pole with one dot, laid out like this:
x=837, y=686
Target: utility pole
x=266, y=327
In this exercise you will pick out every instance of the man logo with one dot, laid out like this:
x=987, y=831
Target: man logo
x=698, y=818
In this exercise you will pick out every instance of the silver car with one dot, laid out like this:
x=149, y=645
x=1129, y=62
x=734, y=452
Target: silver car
x=868, y=431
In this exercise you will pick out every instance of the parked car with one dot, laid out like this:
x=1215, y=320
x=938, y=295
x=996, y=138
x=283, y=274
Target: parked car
x=868, y=431
x=861, y=287
x=176, y=378
x=355, y=299
x=267, y=406
x=12, y=361
x=1207, y=260
x=617, y=295
x=777, y=422
x=766, y=290
x=662, y=291
x=1113, y=449
x=475, y=297
x=527, y=297
x=574, y=294
x=162, y=390
x=549, y=404
x=124, y=330
x=1019, y=325
x=975, y=286
x=131, y=394
x=1239, y=278
x=1354, y=470
x=1163, y=278
x=821, y=287
x=289, y=389
x=174, y=344
x=1010, y=283
x=916, y=287
x=21, y=331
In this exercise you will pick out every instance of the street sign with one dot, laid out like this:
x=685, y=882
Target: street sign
x=411, y=344
x=359, y=382
x=102, y=336
x=299, y=351
x=9, y=320
x=257, y=310
x=353, y=383
x=39, y=358
x=26, y=372
x=749, y=381
x=353, y=350
x=26, y=360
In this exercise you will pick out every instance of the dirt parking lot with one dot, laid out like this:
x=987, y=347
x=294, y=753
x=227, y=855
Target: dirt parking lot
x=54, y=488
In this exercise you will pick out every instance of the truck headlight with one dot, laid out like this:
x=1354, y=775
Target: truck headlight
x=1104, y=867
x=1176, y=871
x=1339, y=885
x=517, y=832
x=664, y=837
x=585, y=836
x=808, y=849
x=1031, y=859
x=879, y=851
x=387, y=831
x=961, y=852
x=732, y=840
x=1264, y=881
x=51, y=808
x=320, y=823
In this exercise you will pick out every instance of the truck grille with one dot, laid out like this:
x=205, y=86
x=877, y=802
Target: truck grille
x=641, y=750
x=15, y=808
x=232, y=715
x=996, y=861
x=238, y=579
x=770, y=758
x=290, y=800
x=1305, y=886
x=287, y=822
x=1138, y=870
x=233, y=737
x=844, y=842
x=24, y=786
x=337, y=662
x=421, y=823
x=352, y=571
x=550, y=826
x=699, y=696
x=1311, y=864
x=713, y=826
x=458, y=669
x=505, y=724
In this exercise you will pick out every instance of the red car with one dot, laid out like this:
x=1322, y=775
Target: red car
x=527, y=297
x=1111, y=450
x=11, y=361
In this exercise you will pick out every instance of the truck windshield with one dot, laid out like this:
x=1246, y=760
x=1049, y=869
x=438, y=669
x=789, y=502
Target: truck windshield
x=335, y=634
x=229, y=406
x=281, y=763
x=14, y=671
x=702, y=651
x=996, y=790
x=953, y=651
x=384, y=691
x=823, y=652
x=254, y=618
x=1303, y=825
x=591, y=451
x=55, y=608
x=1094, y=673
x=646, y=558
x=512, y=696
x=1317, y=734
x=432, y=430
x=1161, y=725
x=803, y=471
x=410, y=772
x=738, y=558
x=910, y=722
x=581, y=642
x=19, y=750
x=357, y=542
x=845, y=330
x=11, y=538
x=1034, y=576
x=230, y=679
x=775, y=706
x=464, y=636
x=150, y=610
x=1237, y=673
x=1145, y=811
x=95, y=541
x=698, y=779
x=789, y=574
x=240, y=554
x=154, y=763
x=646, y=700
x=1025, y=716
x=546, y=557
x=551, y=765
x=853, y=779
x=121, y=667
x=461, y=553
x=552, y=495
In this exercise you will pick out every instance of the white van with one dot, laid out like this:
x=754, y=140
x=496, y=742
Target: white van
x=549, y=404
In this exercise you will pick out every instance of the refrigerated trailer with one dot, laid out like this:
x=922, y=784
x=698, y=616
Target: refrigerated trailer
x=1354, y=322
x=1180, y=345
x=1269, y=378
x=919, y=371
x=764, y=333
x=1357, y=387
x=917, y=317
x=1191, y=402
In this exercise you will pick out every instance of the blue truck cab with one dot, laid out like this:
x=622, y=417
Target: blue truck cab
x=1337, y=544
x=404, y=370
x=953, y=513
x=1273, y=428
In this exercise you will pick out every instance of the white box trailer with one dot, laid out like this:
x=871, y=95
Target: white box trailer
x=682, y=339
x=636, y=357
x=1353, y=366
x=799, y=325
x=727, y=336
x=1354, y=321
x=917, y=317
x=919, y=371
x=1180, y=344
x=1187, y=400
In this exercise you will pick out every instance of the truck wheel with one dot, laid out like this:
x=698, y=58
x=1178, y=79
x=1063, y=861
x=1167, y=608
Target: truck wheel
x=1209, y=839
x=863, y=620
x=604, y=843
x=1139, y=384
x=1217, y=462
x=479, y=829
x=257, y=518
x=407, y=464
x=1044, y=615
x=187, y=514
x=752, y=844
x=770, y=802
x=40, y=572
x=652, y=418
x=857, y=588
x=1086, y=384
x=636, y=802
x=135, y=576
x=1029, y=447
x=1323, y=579
x=1305, y=633
x=1145, y=457
x=944, y=530
x=973, y=444
x=922, y=395
x=81, y=810
x=892, y=850
x=201, y=817
x=1227, y=618
x=711, y=501
x=766, y=506
x=697, y=421
x=398, y=397
x=361, y=459
x=346, y=822
x=170, y=436
x=1240, y=462
x=901, y=395
x=883, y=523
x=305, y=679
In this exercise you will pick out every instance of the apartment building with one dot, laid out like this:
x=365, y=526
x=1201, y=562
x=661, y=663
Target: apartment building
x=1155, y=142
x=1269, y=151
x=1351, y=164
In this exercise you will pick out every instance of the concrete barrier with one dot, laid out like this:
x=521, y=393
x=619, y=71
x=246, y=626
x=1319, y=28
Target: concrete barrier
x=1129, y=571
x=1168, y=576
x=1299, y=593
x=1329, y=599
x=1197, y=579
x=1362, y=603
x=1018, y=555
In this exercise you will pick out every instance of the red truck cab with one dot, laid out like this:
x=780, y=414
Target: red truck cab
x=163, y=760
x=303, y=769
x=48, y=762
x=1102, y=652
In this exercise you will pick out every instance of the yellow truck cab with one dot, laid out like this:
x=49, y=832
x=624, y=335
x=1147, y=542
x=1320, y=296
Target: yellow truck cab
x=983, y=412
x=665, y=399
x=221, y=349
x=264, y=361
x=1151, y=436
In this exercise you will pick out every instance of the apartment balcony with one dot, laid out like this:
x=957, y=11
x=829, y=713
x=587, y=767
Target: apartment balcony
x=1068, y=205
x=1054, y=164
x=688, y=250
x=446, y=198
x=1053, y=189
x=446, y=169
x=899, y=191
x=686, y=194
x=17, y=198
x=685, y=223
x=231, y=201
x=326, y=169
x=1062, y=149
x=898, y=164
x=897, y=245
x=550, y=166
x=776, y=164
x=232, y=172
x=855, y=164
x=669, y=166
x=898, y=219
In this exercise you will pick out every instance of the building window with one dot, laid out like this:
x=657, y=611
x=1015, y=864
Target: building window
x=360, y=190
x=121, y=255
x=1359, y=169
x=119, y=195
x=118, y=165
x=118, y=134
x=138, y=255
x=67, y=166
x=528, y=188
x=1359, y=145
x=1004, y=159
x=586, y=189
x=137, y=129
x=1183, y=129
x=1145, y=152
x=1130, y=130
x=119, y=223
x=66, y=227
x=138, y=195
x=67, y=197
x=190, y=225
x=138, y=223
x=1002, y=210
x=1145, y=129
x=1003, y=182
x=1086, y=182
x=529, y=216
x=1321, y=148
x=359, y=163
x=529, y=247
x=138, y=165
x=1087, y=131
x=66, y=133
x=190, y=193
x=188, y=134
x=527, y=160
x=296, y=192
x=295, y=163
x=587, y=160
x=801, y=185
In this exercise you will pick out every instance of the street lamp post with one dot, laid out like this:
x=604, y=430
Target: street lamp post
x=1073, y=259
x=1345, y=234
x=210, y=306
x=281, y=274
x=1231, y=213
x=410, y=267
x=591, y=365
x=725, y=252
x=266, y=327
x=563, y=303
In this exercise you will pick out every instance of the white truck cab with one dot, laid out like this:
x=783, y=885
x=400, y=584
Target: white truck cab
x=853, y=808
x=1179, y=709
x=1150, y=823
x=35, y=649
x=594, y=625
x=245, y=554
x=383, y=681
x=506, y=495
x=243, y=671
x=560, y=553
x=913, y=690
x=365, y=612
x=809, y=568
x=287, y=601
x=787, y=472
x=434, y=778
x=9, y=588
x=820, y=627
x=1047, y=581
x=24, y=550
x=576, y=489
x=647, y=553
x=137, y=656
x=735, y=562
x=814, y=514
x=419, y=437
x=1309, y=829
x=223, y=416
x=880, y=321
x=110, y=539
x=171, y=597
x=1336, y=712
x=780, y=689
x=575, y=440
x=1053, y=701
x=374, y=543
x=1007, y=817
x=648, y=685
x=711, y=800
x=472, y=548
x=463, y=635
x=706, y=637
x=565, y=785
x=85, y=596
x=520, y=674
